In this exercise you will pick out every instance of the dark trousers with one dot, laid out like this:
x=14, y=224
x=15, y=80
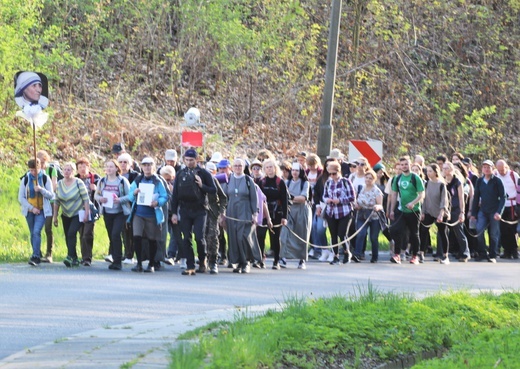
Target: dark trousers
x=174, y=246
x=442, y=239
x=338, y=231
x=211, y=237
x=508, y=233
x=71, y=228
x=222, y=244
x=86, y=233
x=48, y=234
x=407, y=222
x=274, y=237
x=459, y=234
x=193, y=220
x=115, y=223
x=128, y=241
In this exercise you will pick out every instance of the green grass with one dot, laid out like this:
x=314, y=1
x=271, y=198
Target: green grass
x=367, y=326
x=15, y=245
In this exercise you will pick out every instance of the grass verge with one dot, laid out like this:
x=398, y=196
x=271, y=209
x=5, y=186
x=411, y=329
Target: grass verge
x=362, y=330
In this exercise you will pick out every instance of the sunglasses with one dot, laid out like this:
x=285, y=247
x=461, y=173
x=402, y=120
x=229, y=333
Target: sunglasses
x=333, y=174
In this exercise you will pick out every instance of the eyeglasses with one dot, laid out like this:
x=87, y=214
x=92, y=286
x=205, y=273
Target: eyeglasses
x=238, y=166
x=146, y=164
x=361, y=164
x=256, y=168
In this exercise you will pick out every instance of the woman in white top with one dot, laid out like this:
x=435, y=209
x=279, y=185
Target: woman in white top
x=369, y=199
x=358, y=177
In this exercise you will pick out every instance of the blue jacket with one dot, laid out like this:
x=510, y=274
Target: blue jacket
x=489, y=197
x=161, y=199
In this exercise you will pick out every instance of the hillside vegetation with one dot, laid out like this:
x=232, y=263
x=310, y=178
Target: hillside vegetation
x=423, y=76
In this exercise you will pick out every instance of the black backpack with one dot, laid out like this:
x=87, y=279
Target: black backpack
x=59, y=171
x=187, y=189
x=26, y=179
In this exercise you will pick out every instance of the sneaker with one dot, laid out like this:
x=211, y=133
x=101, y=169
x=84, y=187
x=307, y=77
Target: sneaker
x=68, y=261
x=223, y=262
x=330, y=258
x=355, y=259
x=213, y=268
x=129, y=261
x=311, y=253
x=183, y=264
x=46, y=259
x=109, y=259
x=335, y=261
x=189, y=272
x=34, y=261
x=373, y=261
x=115, y=266
x=347, y=256
x=276, y=266
x=157, y=265
x=169, y=261
x=138, y=268
x=492, y=260
x=396, y=259
x=283, y=263
x=150, y=268
x=464, y=259
x=246, y=269
x=324, y=255
x=446, y=260
x=302, y=265
x=421, y=257
x=414, y=260
x=75, y=263
x=86, y=263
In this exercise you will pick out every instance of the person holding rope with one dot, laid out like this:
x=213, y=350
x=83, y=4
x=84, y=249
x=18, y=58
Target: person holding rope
x=435, y=209
x=488, y=204
x=369, y=202
x=241, y=217
x=409, y=186
x=455, y=187
x=510, y=180
x=338, y=195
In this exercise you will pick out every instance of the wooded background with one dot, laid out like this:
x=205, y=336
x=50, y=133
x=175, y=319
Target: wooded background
x=424, y=77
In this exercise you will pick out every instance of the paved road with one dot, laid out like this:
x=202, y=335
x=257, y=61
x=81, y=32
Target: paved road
x=57, y=307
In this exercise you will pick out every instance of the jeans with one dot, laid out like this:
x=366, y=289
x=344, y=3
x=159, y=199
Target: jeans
x=36, y=223
x=71, y=228
x=175, y=241
x=375, y=228
x=338, y=231
x=487, y=221
x=114, y=223
x=406, y=222
x=319, y=232
x=193, y=220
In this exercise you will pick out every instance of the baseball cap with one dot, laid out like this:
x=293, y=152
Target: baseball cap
x=211, y=166
x=190, y=153
x=147, y=160
x=488, y=162
x=170, y=154
x=118, y=147
x=224, y=163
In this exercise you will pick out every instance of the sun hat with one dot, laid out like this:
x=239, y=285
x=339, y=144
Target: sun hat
x=335, y=154
x=216, y=157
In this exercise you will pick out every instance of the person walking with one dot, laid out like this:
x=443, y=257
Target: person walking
x=488, y=204
x=72, y=197
x=34, y=195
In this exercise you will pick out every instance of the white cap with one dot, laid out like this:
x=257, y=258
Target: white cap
x=170, y=154
x=216, y=157
x=211, y=167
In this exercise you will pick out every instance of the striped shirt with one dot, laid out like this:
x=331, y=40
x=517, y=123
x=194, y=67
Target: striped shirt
x=71, y=198
x=342, y=190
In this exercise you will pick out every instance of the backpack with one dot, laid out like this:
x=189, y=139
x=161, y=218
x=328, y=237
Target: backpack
x=59, y=171
x=413, y=180
x=187, y=189
x=26, y=179
x=278, y=180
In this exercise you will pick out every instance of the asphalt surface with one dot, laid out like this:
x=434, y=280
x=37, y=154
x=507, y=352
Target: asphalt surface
x=51, y=316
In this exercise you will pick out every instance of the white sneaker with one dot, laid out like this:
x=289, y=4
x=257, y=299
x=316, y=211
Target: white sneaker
x=109, y=259
x=169, y=261
x=183, y=264
x=330, y=258
x=446, y=260
x=129, y=261
x=311, y=253
x=302, y=265
x=324, y=255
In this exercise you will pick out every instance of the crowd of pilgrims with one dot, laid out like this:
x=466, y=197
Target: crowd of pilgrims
x=326, y=211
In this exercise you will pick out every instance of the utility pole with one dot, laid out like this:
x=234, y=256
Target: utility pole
x=326, y=130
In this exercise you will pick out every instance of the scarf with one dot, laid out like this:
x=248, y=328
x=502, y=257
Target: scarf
x=32, y=193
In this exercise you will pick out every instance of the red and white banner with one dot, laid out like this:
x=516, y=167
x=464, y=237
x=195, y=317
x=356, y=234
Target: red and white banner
x=372, y=150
